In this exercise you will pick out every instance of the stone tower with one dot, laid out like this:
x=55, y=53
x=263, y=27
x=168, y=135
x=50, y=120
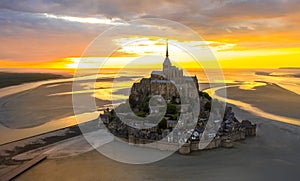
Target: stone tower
x=167, y=63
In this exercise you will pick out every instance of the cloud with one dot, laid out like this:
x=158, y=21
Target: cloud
x=89, y=20
x=39, y=30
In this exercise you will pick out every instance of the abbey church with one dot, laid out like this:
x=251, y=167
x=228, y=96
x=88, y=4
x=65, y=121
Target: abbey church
x=165, y=83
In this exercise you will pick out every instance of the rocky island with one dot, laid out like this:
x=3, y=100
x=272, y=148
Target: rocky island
x=179, y=110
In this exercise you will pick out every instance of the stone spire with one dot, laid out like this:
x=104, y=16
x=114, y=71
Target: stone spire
x=167, y=61
x=167, y=51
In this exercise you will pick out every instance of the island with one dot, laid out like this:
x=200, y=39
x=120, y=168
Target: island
x=170, y=85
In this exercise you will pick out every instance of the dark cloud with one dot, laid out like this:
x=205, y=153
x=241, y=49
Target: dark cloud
x=206, y=14
x=214, y=19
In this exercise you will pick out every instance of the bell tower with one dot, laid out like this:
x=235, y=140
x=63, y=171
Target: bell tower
x=167, y=63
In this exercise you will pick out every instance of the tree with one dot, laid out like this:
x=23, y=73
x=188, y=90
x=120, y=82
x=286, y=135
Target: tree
x=204, y=94
x=162, y=124
x=207, y=106
x=171, y=109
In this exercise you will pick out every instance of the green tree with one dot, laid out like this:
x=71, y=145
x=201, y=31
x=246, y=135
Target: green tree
x=204, y=94
x=171, y=109
x=162, y=124
x=207, y=106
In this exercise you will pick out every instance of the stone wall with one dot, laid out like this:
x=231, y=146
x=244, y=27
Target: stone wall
x=160, y=145
x=224, y=141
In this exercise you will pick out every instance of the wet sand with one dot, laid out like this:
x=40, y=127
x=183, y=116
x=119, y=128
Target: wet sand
x=274, y=154
x=37, y=106
x=270, y=98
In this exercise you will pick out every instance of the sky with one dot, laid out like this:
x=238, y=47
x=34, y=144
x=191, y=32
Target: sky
x=240, y=33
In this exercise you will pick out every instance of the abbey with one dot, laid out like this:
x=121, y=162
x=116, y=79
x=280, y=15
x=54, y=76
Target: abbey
x=208, y=129
x=169, y=83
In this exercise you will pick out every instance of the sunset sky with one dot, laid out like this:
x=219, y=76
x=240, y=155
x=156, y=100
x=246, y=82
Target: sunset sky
x=241, y=33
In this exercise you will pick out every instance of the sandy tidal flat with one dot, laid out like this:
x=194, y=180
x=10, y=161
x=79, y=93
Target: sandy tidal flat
x=274, y=154
x=270, y=98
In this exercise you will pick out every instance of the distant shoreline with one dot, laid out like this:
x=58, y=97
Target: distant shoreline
x=11, y=79
x=289, y=68
x=296, y=75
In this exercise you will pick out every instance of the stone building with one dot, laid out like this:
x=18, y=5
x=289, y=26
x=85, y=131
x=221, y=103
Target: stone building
x=170, y=83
